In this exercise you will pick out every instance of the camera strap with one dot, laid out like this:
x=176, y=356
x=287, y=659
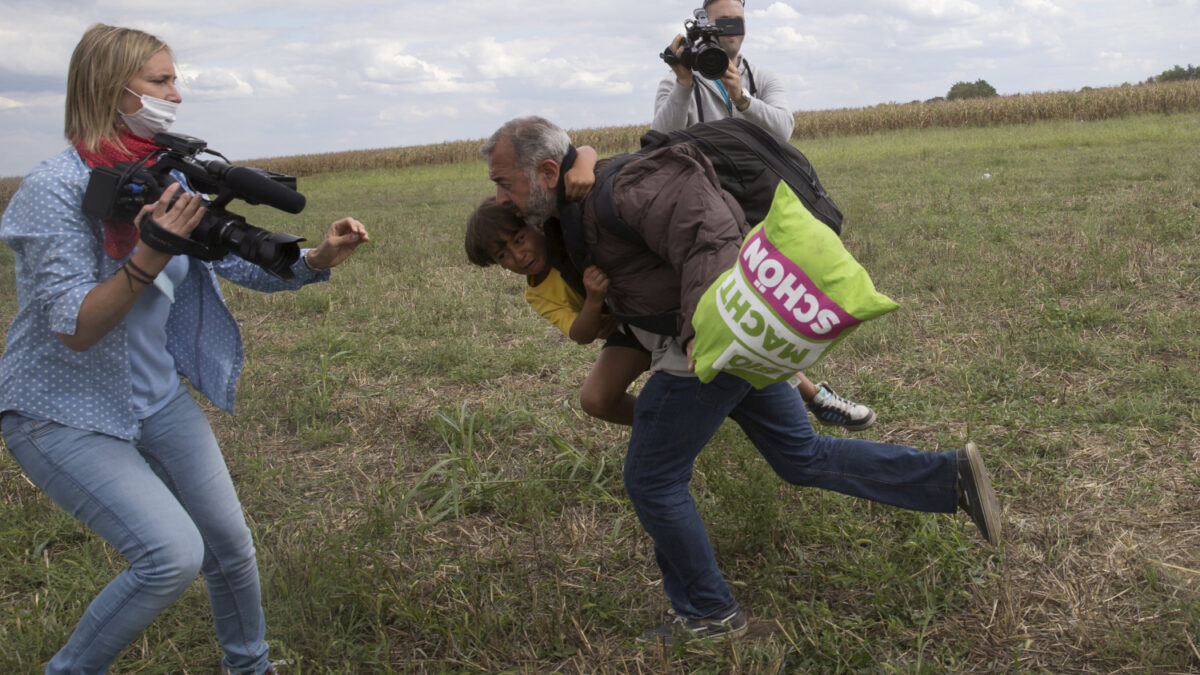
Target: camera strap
x=164, y=241
x=696, y=91
x=750, y=77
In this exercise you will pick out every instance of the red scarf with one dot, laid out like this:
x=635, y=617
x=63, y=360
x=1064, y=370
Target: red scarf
x=120, y=237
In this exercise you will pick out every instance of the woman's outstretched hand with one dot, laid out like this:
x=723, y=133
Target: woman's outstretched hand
x=343, y=237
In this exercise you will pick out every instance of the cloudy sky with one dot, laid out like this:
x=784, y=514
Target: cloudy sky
x=264, y=78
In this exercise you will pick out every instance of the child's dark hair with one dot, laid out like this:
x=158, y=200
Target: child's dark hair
x=489, y=226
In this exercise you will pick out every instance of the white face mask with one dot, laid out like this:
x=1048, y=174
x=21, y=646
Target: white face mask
x=155, y=116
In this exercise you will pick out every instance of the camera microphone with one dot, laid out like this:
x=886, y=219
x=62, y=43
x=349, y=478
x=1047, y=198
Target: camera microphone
x=256, y=187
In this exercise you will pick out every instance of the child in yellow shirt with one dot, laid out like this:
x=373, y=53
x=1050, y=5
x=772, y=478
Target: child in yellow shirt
x=497, y=235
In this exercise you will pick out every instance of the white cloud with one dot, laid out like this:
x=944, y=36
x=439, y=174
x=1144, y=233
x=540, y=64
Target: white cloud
x=40, y=105
x=269, y=82
x=496, y=60
x=599, y=84
x=955, y=38
x=214, y=83
x=786, y=38
x=409, y=112
x=389, y=65
x=37, y=39
x=1041, y=7
x=939, y=9
x=1019, y=36
x=275, y=77
x=776, y=11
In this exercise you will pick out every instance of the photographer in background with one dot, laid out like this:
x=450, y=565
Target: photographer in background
x=754, y=93
x=91, y=402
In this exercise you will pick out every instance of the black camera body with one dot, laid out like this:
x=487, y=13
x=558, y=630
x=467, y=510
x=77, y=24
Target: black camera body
x=119, y=192
x=702, y=51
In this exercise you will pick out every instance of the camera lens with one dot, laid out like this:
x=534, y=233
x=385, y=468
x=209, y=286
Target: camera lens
x=273, y=251
x=711, y=61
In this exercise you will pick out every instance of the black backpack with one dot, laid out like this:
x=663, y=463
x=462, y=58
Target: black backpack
x=748, y=161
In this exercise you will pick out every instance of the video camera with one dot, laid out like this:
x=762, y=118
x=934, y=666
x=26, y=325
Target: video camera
x=119, y=192
x=703, y=52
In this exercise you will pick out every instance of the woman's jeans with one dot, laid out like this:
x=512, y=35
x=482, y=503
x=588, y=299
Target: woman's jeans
x=167, y=504
x=676, y=416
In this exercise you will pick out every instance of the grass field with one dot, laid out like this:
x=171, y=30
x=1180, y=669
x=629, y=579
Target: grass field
x=427, y=495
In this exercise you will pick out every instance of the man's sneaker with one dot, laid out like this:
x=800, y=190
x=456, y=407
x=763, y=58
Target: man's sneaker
x=829, y=408
x=975, y=494
x=683, y=630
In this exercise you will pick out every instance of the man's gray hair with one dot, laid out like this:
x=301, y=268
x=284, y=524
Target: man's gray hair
x=533, y=139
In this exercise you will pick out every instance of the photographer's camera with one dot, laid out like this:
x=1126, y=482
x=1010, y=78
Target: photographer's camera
x=702, y=50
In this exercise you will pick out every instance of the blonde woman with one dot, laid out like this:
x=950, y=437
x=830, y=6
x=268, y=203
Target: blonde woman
x=92, y=400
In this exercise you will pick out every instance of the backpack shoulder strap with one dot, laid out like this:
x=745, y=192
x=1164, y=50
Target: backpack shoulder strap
x=564, y=238
x=605, y=205
x=565, y=248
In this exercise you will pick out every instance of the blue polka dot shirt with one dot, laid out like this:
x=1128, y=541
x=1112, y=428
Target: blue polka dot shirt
x=58, y=258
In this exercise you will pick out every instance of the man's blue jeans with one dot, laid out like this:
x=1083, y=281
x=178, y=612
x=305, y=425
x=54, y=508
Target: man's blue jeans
x=167, y=504
x=676, y=416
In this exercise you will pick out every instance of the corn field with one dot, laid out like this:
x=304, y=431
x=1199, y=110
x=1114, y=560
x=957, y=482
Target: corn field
x=1088, y=104
x=1085, y=105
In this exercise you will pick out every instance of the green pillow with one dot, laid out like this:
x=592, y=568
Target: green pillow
x=794, y=293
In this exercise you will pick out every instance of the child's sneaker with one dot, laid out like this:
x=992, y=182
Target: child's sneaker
x=829, y=408
x=680, y=629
